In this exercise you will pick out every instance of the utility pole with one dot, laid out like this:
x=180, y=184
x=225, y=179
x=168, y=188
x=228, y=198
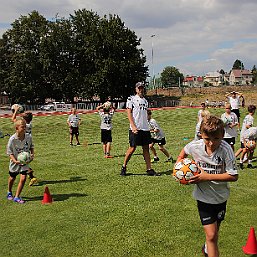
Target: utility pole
x=153, y=79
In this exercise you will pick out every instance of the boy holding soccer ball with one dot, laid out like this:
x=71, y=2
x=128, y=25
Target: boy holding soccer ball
x=19, y=142
x=216, y=160
x=27, y=116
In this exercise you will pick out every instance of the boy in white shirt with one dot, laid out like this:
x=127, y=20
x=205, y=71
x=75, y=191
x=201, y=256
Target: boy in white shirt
x=217, y=163
x=74, y=122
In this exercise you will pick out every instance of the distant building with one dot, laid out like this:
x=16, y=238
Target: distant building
x=240, y=77
x=3, y=98
x=193, y=81
x=214, y=78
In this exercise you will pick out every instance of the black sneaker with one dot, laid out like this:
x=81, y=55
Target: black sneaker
x=151, y=172
x=249, y=166
x=241, y=166
x=78, y=144
x=170, y=159
x=123, y=171
x=203, y=251
x=155, y=159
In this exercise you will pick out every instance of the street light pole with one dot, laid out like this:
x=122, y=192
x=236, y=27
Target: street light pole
x=153, y=80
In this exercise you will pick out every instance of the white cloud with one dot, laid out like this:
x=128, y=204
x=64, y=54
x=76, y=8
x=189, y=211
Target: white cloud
x=196, y=36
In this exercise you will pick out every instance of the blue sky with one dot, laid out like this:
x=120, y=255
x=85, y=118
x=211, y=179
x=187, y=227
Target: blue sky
x=196, y=36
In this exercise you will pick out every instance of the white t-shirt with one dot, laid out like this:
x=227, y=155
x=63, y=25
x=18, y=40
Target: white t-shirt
x=16, y=146
x=230, y=119
x=74, y=120
x=199, y=115
x=250, y=134
x=222, y=160
x=154, y=125
x=248, y=120
x=106, y=120
x=29, y=128
x=139, y=111
x=235, y=102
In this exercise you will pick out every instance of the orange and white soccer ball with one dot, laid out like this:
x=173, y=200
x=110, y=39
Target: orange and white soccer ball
x=107, y=105
x=184, y=170
x=250, y=144
x=19, y=108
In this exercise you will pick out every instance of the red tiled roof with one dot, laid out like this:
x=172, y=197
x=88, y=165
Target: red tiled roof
x=239, y=73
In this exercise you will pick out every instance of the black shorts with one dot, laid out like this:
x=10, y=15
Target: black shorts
x=15, y=174
x=74, y=131
x=210, y=213
x=159, y=141
x=230, y=141
x=236, y=111
x=141, y=138
x=106, y=136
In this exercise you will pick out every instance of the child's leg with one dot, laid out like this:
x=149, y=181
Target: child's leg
x=77, y=139
x=151, y=147
x=162, y=148
x=20, y=185
x=30, y=173
x=238, y=151
x=211, y=235
x=108, y=148
x=104, y=148
x=71, y=139
x=10, y=183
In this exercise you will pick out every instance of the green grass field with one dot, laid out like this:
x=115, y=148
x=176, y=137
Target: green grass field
x=97, y=213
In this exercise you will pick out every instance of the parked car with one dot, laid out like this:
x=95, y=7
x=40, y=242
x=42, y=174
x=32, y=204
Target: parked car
x=47, y=107
x=56, y=106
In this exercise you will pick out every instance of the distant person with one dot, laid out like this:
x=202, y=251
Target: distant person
x=230, y=125
x=234, y=99
x=74, y=122
x=158, y=137
x=205, y=114
x=19, y=142
x=217, y=162
x=106, y=115
x=139, y=133
x=247, y=123
x=199, y=116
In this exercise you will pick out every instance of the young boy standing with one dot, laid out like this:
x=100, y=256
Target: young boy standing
x=158, y=137
x=106, y=128
x=27, y=116
x=139, y=133
x=74, y=122
x=19, y=142
x=217, y=162
x=230, y=125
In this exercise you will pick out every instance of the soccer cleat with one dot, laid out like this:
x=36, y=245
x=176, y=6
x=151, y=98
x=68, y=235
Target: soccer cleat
x=151, y=172
x=9, y=196
x=18, y=200
x=241, y=166
x=170, y=159
x=155, y=159
x=109, y=156
x=33, y=181
x=249, y=166
x=123, y=171
x=71, y=144
x=203, y=251
x=78, y=144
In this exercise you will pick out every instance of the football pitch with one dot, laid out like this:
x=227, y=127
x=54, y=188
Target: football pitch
x=97, y=213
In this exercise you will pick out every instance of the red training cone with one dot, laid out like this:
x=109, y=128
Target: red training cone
x=251, y=244
x=47, y=196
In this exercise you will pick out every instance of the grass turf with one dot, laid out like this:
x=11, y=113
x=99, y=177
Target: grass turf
x=98, y=213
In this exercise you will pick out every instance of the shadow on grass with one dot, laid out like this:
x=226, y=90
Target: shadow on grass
x=71, y=180
x=167, y=172
x=56, y=197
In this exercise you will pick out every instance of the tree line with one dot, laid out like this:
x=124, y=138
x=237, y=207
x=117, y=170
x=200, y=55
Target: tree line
x=83, y=56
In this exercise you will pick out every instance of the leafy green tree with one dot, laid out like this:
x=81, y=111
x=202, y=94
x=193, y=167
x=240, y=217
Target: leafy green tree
x=238, y=65
x=171, y=77
x=254, y=71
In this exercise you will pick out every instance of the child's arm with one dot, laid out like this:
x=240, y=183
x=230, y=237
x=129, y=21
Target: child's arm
x=100, y=107
x=204, y=176
x=14, y=159
x=182, y=155
x=14, y=116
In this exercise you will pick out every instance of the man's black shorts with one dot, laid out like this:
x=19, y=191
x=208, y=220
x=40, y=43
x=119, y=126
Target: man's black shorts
x=210, y=213
x=141, y=138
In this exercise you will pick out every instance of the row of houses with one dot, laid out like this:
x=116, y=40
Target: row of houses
x=235, y=77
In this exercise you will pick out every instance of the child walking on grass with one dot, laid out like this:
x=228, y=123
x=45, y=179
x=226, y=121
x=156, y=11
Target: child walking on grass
x=19, y=142
x=217, y=163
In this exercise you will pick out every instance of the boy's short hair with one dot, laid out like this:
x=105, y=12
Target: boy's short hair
x=106, y=110
x=205, y=114
x=149, y=112
x=228, y=106
x=212, y=125
x=19, y=122
x=28, y=116
x=251, y=108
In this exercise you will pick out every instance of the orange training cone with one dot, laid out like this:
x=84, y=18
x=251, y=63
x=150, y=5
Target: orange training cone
x=251, y=244
x=47, y=196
